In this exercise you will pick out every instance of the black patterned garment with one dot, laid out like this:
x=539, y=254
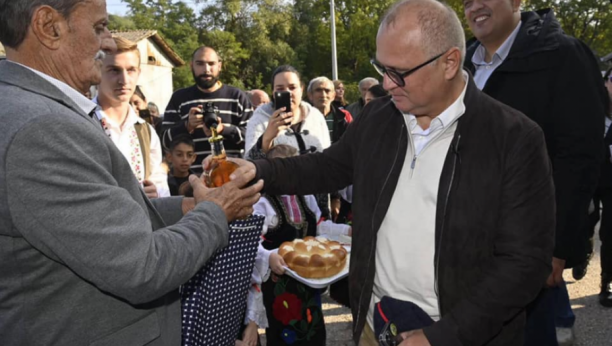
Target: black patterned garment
x=214, y=300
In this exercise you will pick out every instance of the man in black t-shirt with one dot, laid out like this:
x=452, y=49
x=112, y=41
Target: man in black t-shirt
x=184, y=111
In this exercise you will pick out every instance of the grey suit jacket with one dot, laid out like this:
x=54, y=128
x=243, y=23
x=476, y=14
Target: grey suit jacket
x=85, y=257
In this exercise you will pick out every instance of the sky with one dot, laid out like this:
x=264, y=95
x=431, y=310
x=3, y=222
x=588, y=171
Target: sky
x=120, y=8
x=116, y=7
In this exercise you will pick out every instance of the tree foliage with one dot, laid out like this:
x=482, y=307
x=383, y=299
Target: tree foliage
x=253, y=37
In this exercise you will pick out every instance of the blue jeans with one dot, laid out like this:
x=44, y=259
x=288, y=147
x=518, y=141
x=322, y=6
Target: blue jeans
x=564, y=316
x=549, y=310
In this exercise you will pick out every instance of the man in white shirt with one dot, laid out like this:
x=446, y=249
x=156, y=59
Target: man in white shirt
x=135, y=138
x=453, y=197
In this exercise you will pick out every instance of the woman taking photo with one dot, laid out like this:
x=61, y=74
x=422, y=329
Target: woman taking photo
x=303, y=128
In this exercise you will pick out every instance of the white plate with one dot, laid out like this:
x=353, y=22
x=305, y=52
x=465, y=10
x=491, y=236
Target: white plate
x=342, y=239
x=320, y=283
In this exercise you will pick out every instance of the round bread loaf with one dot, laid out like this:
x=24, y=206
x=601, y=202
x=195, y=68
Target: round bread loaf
x=314, y=258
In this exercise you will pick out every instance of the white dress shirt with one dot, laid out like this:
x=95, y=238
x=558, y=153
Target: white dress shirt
x=405, y=246
x=484, y=69
x=120, y=134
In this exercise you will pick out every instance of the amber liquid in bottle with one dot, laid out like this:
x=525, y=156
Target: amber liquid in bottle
x=221, y=168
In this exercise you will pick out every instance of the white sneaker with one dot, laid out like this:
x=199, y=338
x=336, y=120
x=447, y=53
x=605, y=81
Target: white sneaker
x=565, y=336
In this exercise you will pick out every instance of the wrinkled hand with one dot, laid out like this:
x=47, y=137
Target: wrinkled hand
x=556, y=277
x=250, y=335
x=196, y=118
x=279, y=122
x=277, y=263
x=235, y=198
x=220, y=128
x=150, y=189
x=414, y=338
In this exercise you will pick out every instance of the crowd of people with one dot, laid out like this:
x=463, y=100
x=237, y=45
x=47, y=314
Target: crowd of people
x=469, y=176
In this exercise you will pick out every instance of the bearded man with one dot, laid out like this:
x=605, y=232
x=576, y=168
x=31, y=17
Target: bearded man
x=184, y=112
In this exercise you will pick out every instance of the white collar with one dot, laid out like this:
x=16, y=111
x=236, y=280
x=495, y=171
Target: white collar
x=502, y=52
x=132, y=117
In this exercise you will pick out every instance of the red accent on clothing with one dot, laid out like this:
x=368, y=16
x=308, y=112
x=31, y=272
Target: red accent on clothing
x=381, y=313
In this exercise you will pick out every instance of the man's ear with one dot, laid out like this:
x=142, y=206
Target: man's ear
x=452, y=63
x=49, y=26
x=168, y=157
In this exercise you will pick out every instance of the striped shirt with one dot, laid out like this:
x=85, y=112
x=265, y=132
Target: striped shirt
x=234, y=109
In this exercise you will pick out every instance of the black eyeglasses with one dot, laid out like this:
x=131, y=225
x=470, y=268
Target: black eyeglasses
x=396, y=76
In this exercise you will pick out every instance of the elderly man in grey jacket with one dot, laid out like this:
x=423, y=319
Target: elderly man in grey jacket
x=85, y=257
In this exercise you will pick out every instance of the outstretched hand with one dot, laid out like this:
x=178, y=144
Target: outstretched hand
x=235, y=198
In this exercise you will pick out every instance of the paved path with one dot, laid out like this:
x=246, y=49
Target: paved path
x=593, y=322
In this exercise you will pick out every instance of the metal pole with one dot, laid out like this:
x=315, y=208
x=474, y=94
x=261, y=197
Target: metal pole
x=333, y=41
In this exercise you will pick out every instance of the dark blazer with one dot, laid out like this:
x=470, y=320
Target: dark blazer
x=494, y=219
x=555, y=80
x=85, y=257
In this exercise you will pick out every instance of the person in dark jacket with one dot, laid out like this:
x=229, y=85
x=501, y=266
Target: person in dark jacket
x=526, y=61
x=602, y=203
x=356, y=107
x=453, y=194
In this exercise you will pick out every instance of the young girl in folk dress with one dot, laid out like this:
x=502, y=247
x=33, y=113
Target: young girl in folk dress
x=293, y=314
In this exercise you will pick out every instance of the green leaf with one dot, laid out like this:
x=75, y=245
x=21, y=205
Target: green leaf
x=279, y=288
x=301, y=289
x=315, y=317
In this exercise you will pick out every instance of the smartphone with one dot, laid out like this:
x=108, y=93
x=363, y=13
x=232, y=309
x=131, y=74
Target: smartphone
x=282, y=99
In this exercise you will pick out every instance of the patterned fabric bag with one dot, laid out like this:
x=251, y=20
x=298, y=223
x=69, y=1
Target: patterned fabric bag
x=214, y=300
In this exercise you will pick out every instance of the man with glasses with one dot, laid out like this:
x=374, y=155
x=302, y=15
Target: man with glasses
x=526, y=61
x=453, y=196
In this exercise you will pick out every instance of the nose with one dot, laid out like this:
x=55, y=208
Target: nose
x=475, y=6
x=387, y=83
x=108, y=44
x=123, y=77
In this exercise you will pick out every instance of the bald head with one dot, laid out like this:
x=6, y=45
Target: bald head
x=204, y=50
x=439, y=28
x=258, y=98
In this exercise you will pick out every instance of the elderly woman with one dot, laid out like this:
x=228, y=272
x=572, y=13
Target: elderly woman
x=303, y=128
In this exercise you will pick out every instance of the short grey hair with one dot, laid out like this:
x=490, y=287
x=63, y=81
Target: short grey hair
x=317, y=81
x=16, y=15
x=369, y=80
x=440, y=26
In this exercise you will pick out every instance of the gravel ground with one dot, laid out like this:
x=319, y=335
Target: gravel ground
x=593, y=322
